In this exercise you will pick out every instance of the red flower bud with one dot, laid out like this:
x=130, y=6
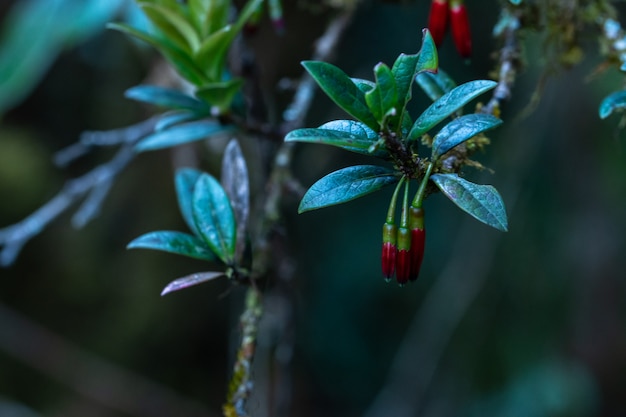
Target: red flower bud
x=460, y=28
x=438, y=20
x=403, y=261
x=389, y=250
x=418, y=240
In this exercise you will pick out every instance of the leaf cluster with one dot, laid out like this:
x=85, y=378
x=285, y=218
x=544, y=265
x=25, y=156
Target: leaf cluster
x=216, y=215
x=384, y=129
x=195, y=37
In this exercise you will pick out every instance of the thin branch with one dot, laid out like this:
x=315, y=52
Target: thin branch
x=95, y=184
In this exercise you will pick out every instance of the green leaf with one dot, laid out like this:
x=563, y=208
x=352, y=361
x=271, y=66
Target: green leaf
x=246, y=13
x=428, y=58
x=346, y=184
x=483, y=202
x=382, y=99
x=346, y=134
x=363, y=85
x=611, y=103
x=166, y=97
x=448, y=104
x=340, y=89
x=404, y=72
x=220, y=94
x=216, y=16
x=172, y=118
x=435, y=85
x=214, y=217
x=212, y=52
x=180, y=134
x=180, y=60
x=173, y=242
x=461, y=129
x=173, y=25
x=191, y=280
x=185, y=181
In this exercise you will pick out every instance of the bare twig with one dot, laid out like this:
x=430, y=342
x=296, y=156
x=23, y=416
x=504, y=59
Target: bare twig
x=95, y=185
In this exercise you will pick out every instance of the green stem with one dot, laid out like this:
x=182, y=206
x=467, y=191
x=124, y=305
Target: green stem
x=404, y=220
x=240, y=386
x=391, y=212
x=419, y=196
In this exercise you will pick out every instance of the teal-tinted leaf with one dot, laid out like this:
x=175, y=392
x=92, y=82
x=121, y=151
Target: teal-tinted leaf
x=428, y=58
x=175, y=117
x=237, y=187
x=461, y=129
x=346, y=184
x=179, y=134
x=611, y=103
x=346, y=134
x=220, y=94
x=382, y=99
x=435, y=85
x=340, y=88
x=363, y=85
x=191, y=280
x=214, y=217
x=173, y=242
x=448, y=104
x=166, y=97
x=483, y=202
x=185, y=181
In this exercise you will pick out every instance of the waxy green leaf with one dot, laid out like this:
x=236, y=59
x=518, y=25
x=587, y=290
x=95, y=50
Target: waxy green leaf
x=448, y=104
x=211, y=55
x=182, y=133
x=178, y=243
x=611, y=103
x=363, y=85
x=461, y=129
x=483, y=202
x=346, y=134
x=340, y=89
x=435, y=85
x=214, y=217
x=191, y=280
x=428, y=58
x=166, y=97
x=382, y=99
x=346, y=184
x=185, y=181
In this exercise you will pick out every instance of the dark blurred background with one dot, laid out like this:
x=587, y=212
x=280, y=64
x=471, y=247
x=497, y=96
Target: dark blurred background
x=526, y=323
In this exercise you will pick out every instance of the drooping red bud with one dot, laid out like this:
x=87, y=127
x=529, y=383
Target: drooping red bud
x=389, y=250
x=418, y=240
x=460, y=28
x=403, y=261
x=438, y=20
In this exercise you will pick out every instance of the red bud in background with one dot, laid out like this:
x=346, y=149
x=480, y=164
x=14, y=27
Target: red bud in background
x=418, y=240
x=460, y=28
x=438, y=20
x=389, y=250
